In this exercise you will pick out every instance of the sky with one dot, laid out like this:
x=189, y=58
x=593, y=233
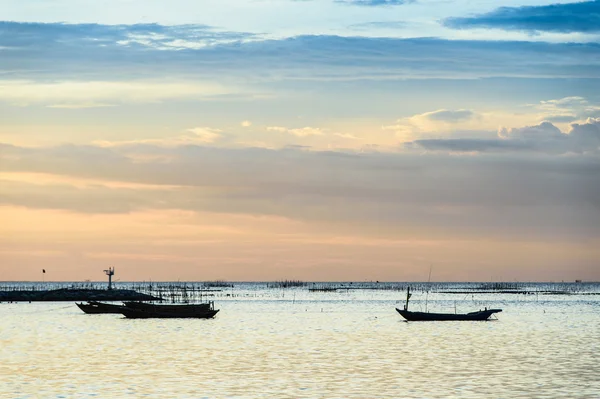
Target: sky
x=317, y=140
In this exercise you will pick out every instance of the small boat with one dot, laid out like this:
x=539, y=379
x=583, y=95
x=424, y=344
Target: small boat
x=138, y=310
x=93, y=307
x=425, y=316
x=480, y=315
x=185, y=308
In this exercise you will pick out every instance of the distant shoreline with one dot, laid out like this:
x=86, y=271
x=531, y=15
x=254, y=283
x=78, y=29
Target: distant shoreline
x=303, y=282
x=73, y=294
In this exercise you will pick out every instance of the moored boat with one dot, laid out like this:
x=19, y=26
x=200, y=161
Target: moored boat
x=425, y=316
x=146, y=314
x=150, y=311
x=480, y=315
x=93, y=307
x=185, y=308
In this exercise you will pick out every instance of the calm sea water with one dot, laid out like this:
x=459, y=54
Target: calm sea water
x=292, y=343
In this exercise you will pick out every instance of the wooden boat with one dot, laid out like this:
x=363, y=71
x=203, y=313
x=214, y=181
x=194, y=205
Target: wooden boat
x=425, y=316
x=131, y=313
x=185, y=308
x=150, y=311
x=480, y=315
x=93, y=307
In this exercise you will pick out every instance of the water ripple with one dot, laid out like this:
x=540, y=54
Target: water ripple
x=316, y=347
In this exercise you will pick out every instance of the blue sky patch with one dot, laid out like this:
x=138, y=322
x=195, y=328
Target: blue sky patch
x=563, y=18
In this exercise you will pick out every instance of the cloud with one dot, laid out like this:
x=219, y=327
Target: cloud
x=205, y=134
x=379, y=25
x=373, y=191
x=566, y=109
x=586, y=134
x=81, y=105
x=428, y=122
x=445, y=115
x=347, y=136
x=542, y=138
x=19, y=35
x=194, y=136
x=471, y=125
x=306, y=131
x=560, y=118
x=91, y=199
x=105, y=53
x=543, y=131
x=299, y=132
x=562, y=18
x=468, y=145
x=280, y=129
x=88, y=94
x=375, y=3
x=563, y=102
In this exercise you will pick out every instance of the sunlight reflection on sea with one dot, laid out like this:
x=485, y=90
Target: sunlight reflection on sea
x=307, y=345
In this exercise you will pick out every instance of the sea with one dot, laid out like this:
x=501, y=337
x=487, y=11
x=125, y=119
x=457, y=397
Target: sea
x=313, y=340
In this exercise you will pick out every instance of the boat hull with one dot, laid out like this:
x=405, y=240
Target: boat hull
x=131, y=313
x=201, y=307
x=423, y=316
x=99, y=308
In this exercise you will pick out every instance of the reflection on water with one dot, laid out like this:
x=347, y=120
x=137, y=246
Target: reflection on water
x=295, y=344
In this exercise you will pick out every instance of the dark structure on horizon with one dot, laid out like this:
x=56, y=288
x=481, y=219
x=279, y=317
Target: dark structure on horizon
x=110, y=272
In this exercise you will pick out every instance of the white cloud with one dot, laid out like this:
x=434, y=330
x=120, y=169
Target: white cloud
x=542, y=138
x=347, y=136
x=194, y=136
x=82, y=94
x=306, y=131
x=541, y=120
x=277, y=129
x=565, y=110
x=299, y=132
x=204, y=134
x=543, y=131
x=410, y=128
x=562, y=102
x=450, y=116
